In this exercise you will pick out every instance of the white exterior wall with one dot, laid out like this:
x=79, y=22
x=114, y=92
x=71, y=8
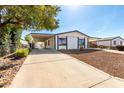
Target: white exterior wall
x=104, y=43
x=117, y=41
x=72, y=41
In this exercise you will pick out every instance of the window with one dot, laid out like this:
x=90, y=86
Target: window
x=62, y=41
x=81, y=41
x=114, y=42
x=120, y=42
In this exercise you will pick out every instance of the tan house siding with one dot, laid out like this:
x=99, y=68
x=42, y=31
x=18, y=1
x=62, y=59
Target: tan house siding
x=50, y=42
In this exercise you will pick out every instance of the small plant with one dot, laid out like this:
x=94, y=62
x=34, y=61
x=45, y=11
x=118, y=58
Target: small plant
x=121, y=48
x=81, y=47
x=22, y=52
x=103, y=47
x=113, y=48
x=93, y=45
x=4, y=66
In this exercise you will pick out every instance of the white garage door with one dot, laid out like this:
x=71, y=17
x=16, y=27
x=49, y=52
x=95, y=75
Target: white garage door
x=72, y=42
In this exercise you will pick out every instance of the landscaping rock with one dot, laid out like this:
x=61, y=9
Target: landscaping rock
x=9, y=66
x=111, y=63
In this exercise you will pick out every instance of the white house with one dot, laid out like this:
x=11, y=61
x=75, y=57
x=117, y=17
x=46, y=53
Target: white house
x=111, y=41
x=65, y=40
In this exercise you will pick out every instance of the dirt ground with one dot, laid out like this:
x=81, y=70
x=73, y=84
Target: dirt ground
x=9, y=66
x=110, y=63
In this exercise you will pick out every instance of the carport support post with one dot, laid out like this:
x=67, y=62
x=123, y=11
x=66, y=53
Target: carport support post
x=56, y=42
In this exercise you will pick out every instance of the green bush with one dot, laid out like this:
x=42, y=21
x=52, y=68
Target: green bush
x=23, y=52
x=92, y=45
x=103, y=47
x=113, y=48
x=121, y=48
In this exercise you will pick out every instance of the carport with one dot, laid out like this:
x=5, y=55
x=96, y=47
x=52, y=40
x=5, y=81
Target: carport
x=43, y=40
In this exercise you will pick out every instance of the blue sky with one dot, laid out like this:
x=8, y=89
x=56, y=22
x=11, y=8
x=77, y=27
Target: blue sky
x=96, y=21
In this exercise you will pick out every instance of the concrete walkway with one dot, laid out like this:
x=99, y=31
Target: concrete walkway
x=50, y=68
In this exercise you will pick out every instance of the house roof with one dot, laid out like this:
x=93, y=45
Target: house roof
x=41, y=36
x=108, y=38
x=42, y=33
x=71, y=32
x=95, y=37
x=59, y=33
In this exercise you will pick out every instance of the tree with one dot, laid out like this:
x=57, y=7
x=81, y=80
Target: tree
x=30, y=17
x=15, y=36
x=4, y=38
x=13, y=19
x=29, y=39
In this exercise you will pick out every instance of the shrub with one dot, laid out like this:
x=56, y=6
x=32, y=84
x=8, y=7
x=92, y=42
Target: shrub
x=81, y=48
x=22, y=52
x=121, y=48
x=101, y=46
x=113, y=48
x=92, y=45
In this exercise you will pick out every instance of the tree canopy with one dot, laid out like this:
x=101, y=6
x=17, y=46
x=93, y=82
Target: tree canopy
x=40, y=17
x=14, y=19
x=28, y=38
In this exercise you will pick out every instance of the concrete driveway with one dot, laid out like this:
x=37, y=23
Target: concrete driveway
x=47, y=68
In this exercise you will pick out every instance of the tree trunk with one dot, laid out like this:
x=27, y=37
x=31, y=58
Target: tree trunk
x=15, y=39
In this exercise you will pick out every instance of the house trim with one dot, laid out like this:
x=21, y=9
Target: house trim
x=84, y=42
x=66, y=42
x=57, y=42
x=71, y=32
x=78, y=42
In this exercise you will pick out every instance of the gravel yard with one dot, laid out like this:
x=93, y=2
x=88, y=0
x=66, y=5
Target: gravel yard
x=9, y=66
x=110, y=63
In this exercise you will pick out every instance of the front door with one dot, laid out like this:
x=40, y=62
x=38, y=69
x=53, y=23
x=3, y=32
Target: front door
x=72, y=42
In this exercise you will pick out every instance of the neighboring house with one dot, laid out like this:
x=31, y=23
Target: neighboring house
x=24, y=43
x=65, y=40
x=94, y=39
x=110, y=41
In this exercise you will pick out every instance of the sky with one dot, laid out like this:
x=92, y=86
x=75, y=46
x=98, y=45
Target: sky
x=96, y=21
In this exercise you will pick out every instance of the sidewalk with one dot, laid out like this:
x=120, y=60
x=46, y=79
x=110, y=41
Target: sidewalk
x=108, y=50
x=52, y=69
